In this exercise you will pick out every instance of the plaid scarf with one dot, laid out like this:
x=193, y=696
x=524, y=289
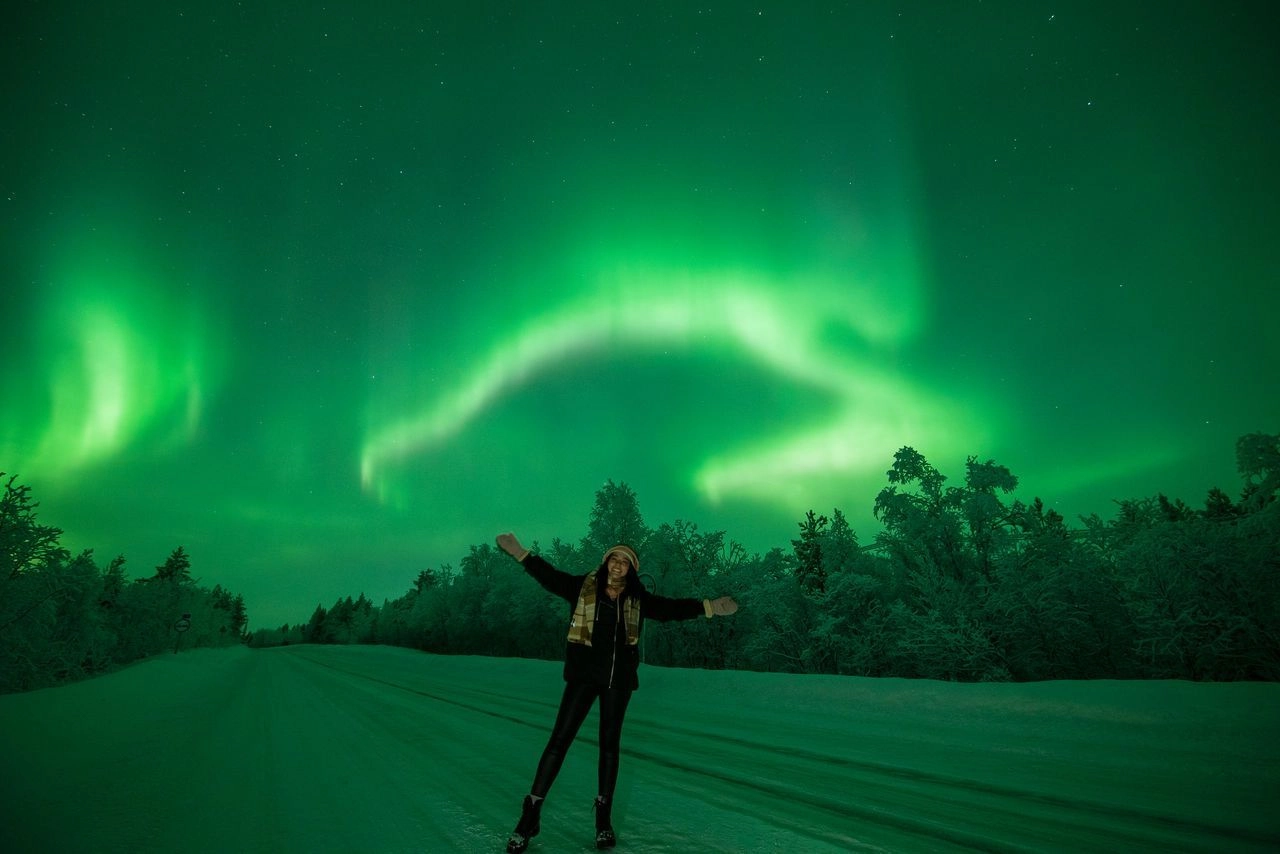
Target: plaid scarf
x=584, y=614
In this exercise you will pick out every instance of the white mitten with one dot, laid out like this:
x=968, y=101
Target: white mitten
x=724, y=606
x=509, y=544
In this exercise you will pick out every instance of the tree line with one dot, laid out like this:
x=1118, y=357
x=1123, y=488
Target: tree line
x=961, y=584
x=63, y=617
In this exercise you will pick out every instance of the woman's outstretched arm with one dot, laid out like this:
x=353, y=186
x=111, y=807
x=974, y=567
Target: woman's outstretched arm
x=664, y=609
x=562, y=584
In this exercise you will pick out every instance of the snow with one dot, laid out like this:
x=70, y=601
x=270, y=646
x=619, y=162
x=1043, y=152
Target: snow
x=378, y=749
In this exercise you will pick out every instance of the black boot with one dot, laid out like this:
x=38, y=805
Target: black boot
x=528, y=826
x=604, y=822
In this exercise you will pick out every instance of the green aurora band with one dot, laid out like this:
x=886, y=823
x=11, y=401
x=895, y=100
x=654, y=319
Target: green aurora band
x=121, y=360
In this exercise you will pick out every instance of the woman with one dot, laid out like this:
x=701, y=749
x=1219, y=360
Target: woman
x=601, y=661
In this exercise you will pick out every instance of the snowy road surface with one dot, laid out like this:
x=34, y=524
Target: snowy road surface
x=375, y=749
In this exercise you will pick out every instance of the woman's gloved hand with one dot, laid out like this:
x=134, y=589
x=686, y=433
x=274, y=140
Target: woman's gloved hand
x=509, y=544
x=722, y=607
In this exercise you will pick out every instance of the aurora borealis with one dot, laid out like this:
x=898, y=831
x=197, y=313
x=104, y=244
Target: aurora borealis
x=327, y=295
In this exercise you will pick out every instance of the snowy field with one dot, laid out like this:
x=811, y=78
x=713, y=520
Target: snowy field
x=375, y=749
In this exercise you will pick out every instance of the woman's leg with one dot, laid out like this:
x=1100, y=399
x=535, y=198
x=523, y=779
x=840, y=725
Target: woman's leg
x=613, y=708
x=574, y=706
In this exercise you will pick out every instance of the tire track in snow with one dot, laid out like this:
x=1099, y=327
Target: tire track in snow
x=834, y=808
x=1070, y=814
x=892, y=796
x=439, y=698
x=542, y=727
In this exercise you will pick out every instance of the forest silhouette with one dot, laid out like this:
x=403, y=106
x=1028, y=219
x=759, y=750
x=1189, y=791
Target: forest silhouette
x=960, y=584
x=64, y=618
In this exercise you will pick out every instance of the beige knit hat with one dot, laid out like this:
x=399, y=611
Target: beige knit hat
x=627, y=552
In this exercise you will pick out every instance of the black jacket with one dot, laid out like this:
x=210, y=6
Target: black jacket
x=609, y=664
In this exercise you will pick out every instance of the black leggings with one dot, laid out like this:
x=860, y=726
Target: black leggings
x=577, y=700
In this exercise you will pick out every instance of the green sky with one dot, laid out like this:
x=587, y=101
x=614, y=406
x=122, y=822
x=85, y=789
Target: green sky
x=328, y=295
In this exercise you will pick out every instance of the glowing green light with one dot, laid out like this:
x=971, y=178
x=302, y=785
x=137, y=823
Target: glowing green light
x=118, y=359
x=781, y=327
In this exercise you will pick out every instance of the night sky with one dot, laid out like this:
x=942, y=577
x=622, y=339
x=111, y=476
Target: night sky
x=327, y=294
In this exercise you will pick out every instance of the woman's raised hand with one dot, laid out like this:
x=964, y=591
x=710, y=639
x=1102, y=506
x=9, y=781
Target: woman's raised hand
x=509, y=544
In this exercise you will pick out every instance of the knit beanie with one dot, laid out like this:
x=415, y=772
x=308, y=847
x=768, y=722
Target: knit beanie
x=627, y=552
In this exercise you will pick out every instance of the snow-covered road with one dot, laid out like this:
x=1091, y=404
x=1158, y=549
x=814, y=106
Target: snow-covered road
x=374, y=749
